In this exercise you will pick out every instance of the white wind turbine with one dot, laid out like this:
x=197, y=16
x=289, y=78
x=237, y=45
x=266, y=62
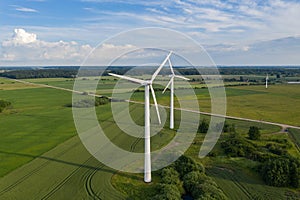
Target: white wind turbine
x=171, y=84
x=148, y=85
x=267, y=78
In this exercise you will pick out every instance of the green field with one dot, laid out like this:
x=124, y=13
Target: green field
x=39, y=148
x=278, y=103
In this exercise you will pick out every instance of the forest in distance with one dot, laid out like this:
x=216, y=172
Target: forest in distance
x=71, y=71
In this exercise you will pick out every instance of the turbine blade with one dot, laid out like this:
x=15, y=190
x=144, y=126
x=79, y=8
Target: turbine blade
x=128, y=78
x=155, y=103
x=160, y=67
x=171, y=66
x=168, y=84
x=182, y=77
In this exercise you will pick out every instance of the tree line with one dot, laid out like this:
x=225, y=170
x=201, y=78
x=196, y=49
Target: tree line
x=276, y=166
x=70, y=72
x=186, y=177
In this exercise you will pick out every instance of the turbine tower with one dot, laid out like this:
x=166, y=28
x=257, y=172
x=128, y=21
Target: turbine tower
x=148, y=85
x=267, y=78
x=171, y=84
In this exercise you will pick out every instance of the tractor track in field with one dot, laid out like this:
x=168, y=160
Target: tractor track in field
x=36, y=169
x=242, y=188
x=135, y=142
x=89, y=187
x=233, y=179
x=63, y=182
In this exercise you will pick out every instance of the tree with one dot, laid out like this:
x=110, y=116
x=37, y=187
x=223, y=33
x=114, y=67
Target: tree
x=193, y=178
x=203, y=127
x=185, y=164
x=167, y=192
x=228, y=128
x=170, y=176
x=208, y=191
x=281, y=172
x=254, y=133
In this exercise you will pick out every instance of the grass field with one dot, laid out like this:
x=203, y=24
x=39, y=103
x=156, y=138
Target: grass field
x=38, y=141
x=26, y=136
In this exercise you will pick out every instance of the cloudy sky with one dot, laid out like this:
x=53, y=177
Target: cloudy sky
x=234, y=32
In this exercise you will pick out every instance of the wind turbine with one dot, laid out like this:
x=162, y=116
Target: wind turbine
x=148, y=85
x=171, y=84
x=267, y=78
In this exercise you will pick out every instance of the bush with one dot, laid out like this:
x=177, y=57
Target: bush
x=281, y=172
x=167, y=192
x=208, y=191
x=101, y=100
x=229, y=128
x=237, y=146
x=202, y=187
x=185, y=164
x=193, y=178
x=276, y=149
x=203, y=127
x=86, y=103
x=4, y=104
x=254, y=133
x=170, y=176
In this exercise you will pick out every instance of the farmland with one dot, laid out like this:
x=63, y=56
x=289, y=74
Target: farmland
x=31, y=152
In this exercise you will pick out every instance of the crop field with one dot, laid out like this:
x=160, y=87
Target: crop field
x=238, y=184
x=279, y=103
x=51, y=163
x=71, y=168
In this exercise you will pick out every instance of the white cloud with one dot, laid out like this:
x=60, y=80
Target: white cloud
x=23, y=9
x=25, y=48
x=20, y=37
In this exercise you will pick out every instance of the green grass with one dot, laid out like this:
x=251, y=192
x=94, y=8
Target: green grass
x=39, y=128
x=295, y=134
x=37, y=122
x=240, y=184
x=278, y=103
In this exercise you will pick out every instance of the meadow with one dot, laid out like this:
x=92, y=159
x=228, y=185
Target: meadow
x=39, y=141
x=279, y=103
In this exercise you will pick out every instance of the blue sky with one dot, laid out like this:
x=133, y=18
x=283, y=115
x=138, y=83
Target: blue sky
x=232, y=31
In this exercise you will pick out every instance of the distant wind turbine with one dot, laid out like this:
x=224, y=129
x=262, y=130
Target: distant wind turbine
x=171, y=84
x=148, y=85
x=267, y=78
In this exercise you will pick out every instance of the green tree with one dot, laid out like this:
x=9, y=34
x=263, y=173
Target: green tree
x=228, y=128
x=193, y=178
x=186, y=164
x=167, y=192
x=281, y=172
x=254, y=133
x=203, y=127
x=170, y=176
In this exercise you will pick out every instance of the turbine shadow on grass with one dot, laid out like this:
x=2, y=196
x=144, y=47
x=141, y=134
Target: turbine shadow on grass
x=100, y=168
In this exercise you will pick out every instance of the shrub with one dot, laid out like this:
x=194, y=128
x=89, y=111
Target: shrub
x=254, y=133
x=208, y=191
x=167, y=192
x=280, y=172
x=229, y=128
x=4, y=104
x=185, y=164
x=193, y=178
x=237, y=146
x=203, y=127
x=170, y=176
